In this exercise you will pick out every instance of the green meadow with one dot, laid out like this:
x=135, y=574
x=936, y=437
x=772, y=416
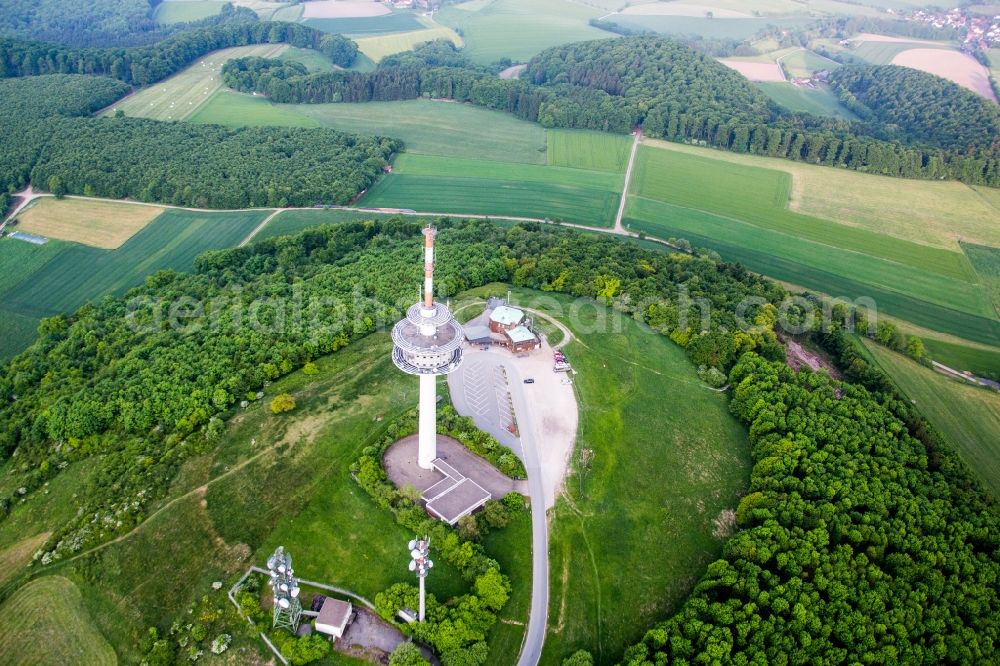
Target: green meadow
x=817, y=101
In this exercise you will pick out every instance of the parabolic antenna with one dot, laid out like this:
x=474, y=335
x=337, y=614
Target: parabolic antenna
x=429, y=564
x=295, y=592
x=412, y=544
x=281, y=568
x=416, y=554
x=413, y=565
x=283, y=603
x=284, y=588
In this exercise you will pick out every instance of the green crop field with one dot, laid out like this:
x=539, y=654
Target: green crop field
x=717, y=28
x=181, y=95
x=882, y=53
x=234, y=109
x=294, y=471
x=380, y=46
x=819, y=101
x=664, y=458
x=979, y=361
x=760, y=197
x=935, y=302
x=494, y=197
x=184, y=11
x=969, y=417
x=935, y=213
x=17, y=332
x=50, y=612
x=367, y=25
x=519, y=29
x=596, y=151
x=986, y=262
x=19, y=259
x=79, y=273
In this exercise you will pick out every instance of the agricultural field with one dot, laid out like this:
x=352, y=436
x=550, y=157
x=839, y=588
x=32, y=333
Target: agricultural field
x=376, y=48
x=234, y=109
x=742, y=213
x=756, y=71
x=978, y=360
x=880, y=50
x=519, y=29
x=714, y=28
x=939, y=214
x=185, y=11
x=49, y=611
x=294, y=470
x=366, y=25
x=820, y=101
x=986, y=262
x=664, y=459
x=596, y=151
x=181, y=95
x=79, y=273
x=960, y=68
x=968, y=417
x=103, y=224
x=804, y=63
x=313, y=60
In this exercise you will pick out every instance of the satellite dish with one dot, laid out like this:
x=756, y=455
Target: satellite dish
x=295, y=592
x=416, y=554
x=281, y=568
x=429, y=564
x=413, y=544
x=413, y=565
x=283, y=603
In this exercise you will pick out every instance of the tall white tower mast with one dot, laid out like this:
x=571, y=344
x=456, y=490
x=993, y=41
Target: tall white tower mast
x=428, y=343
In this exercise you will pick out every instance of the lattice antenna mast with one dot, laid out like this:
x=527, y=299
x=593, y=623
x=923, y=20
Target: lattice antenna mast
x=421, y=564
x=285, y=587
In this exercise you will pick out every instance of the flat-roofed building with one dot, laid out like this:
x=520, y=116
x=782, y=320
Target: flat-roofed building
x=522, y=339
x=334, y=616
x=503, y=318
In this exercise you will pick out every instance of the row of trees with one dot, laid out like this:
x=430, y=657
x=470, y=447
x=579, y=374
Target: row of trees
x=99, y=23
x=178, y=163
x=148, y=64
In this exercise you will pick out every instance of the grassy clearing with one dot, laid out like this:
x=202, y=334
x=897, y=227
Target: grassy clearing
x=45, y=622
x=596, y=151
x=967, y=416
x=933, y=213
x=379, y=47
x=804, y=63
x=936, y=302
x=759, y=197
x=181, y=95
x=81, y=273
x=511, y=547
x=234, y=109
x=817, y=101
x=278, y=480
x=313, y=60
x=438, y=128
x=18, y=555
x=665, y=458
x=103, y=224
x=519, y=29
x=185, y=11
x=367, y=25
x=502, y=198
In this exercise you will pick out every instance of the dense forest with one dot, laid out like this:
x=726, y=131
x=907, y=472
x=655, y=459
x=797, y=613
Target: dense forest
x=116, y=378
x=862, y=539
x=47, y=143
x=98, y=22
x=904, y=103
x=148, y=64
x=668, y=89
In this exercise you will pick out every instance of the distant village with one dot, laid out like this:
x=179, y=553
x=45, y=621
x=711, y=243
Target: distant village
x=978, y=32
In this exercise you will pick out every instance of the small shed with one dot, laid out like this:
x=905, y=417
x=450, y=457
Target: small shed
x=333, y=618
x=522, y=339
x=504, y=318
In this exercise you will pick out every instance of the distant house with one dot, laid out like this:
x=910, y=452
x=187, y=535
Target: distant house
x=503, y=318
x=334, y=616
x=522, y=339
x=478, y=335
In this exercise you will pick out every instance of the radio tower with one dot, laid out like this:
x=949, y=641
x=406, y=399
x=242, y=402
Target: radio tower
x=428, y=343
x=287, y=605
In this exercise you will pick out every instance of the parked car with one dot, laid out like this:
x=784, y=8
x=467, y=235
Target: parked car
x=529, y=380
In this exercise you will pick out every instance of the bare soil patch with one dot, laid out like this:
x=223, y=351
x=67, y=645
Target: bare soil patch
x=799, y=357
x=961, y=68
x=756, y=71
x=343, y=9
